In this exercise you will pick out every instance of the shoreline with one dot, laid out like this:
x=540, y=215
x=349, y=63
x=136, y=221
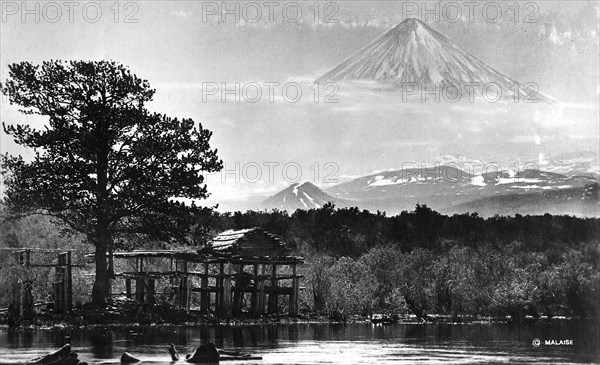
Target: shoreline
x=60, y=322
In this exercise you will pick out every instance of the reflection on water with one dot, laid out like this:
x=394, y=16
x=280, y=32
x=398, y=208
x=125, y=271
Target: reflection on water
x=328, y=343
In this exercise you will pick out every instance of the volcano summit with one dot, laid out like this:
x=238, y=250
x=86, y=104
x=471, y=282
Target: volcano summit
x=414, y=53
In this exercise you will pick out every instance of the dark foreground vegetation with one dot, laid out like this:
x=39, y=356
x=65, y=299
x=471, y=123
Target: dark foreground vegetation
x=418, y=262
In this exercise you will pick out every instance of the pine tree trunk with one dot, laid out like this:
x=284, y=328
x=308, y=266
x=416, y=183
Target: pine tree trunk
x=101, y=290
x=101, y=283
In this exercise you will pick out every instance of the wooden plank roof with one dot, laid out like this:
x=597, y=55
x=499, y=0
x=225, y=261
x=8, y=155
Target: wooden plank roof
x=203, y=257
x=247, y=243
x=252, y=245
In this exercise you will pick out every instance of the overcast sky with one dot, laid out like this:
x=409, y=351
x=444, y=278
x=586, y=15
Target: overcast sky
x=183, y=48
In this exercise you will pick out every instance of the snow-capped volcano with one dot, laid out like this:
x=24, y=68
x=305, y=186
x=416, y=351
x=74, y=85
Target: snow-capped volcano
x=298, y=196
x=413, y=52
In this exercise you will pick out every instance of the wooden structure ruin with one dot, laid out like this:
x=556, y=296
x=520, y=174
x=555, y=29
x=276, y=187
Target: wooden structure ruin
x=239, y=272
x=246, y=271
x=22, y=290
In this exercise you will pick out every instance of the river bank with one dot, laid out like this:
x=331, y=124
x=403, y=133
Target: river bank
x=110, y=319
x=123, y=313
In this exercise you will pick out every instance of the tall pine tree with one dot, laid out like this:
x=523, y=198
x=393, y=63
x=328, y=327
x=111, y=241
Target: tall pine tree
x=104, y=165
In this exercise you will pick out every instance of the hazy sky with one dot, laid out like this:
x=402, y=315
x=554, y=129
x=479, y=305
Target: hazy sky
x=185, y=49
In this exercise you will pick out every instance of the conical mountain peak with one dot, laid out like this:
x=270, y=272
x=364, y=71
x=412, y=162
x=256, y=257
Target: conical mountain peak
x=298, y=196
x=413, y=23
x=413, y=52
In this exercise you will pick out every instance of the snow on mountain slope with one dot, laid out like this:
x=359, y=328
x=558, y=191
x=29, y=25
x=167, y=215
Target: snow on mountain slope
x=298, y=196
x=413, y=52
x=443, y=187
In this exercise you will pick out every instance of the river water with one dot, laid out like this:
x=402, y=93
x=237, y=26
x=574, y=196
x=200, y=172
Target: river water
x=311, y=343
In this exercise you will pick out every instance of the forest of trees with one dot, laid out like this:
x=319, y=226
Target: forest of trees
x=418, y=262
x=424, y=262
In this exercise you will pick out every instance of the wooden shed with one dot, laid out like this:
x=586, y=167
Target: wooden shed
x=252, y=242
x=239, y=272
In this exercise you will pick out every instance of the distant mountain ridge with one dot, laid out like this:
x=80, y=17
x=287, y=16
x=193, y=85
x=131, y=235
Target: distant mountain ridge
x=578, y=201
x=450, y=190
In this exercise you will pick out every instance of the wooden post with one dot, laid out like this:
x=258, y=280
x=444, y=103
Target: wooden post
x=226, y=303
x=139, y=290
x=60, y=288
x=238, y=294
x=111, y=272
x=243, y=285
x=27, y=302
x=204, y=294
x=188, y=294
x=261, y=290
x=16, y=297
x=139, y=281
x=57, y=286
x=183, y=285
x=254, y=297
x=294, y=295
x=69, y=282
x=219, y=293
x=272, y=293
x=151, y=291
x=128, y=287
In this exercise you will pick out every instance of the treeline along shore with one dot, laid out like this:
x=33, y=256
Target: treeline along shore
x=417, y=263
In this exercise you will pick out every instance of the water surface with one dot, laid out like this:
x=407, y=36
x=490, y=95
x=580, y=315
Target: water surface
x=361, y=343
